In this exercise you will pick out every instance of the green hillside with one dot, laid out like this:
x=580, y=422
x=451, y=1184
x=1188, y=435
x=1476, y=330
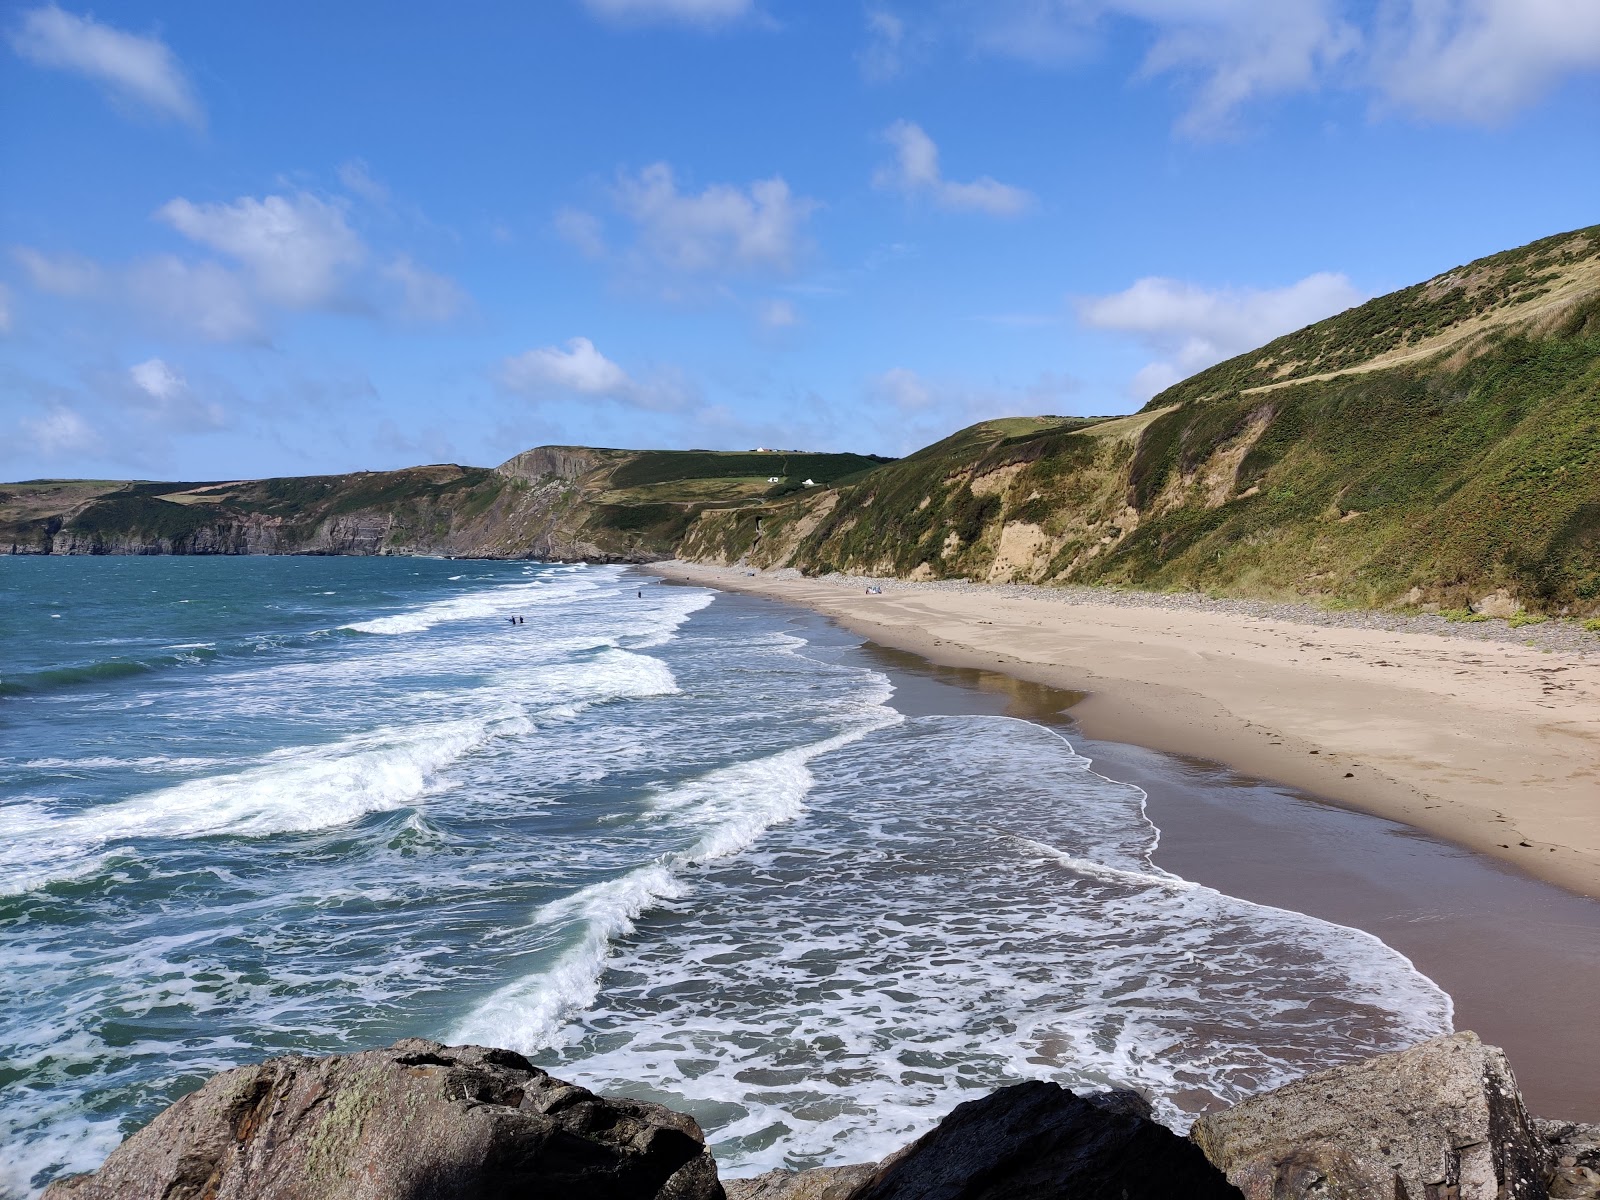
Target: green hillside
x=1432, y=446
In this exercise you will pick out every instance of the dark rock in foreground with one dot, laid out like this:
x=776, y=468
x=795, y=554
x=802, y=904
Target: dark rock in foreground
x=417, y=1121
x=1038, y=1140
x=1441, y=1120
x=1575, y=1151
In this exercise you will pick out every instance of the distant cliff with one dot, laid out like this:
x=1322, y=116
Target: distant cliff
x=552, y=502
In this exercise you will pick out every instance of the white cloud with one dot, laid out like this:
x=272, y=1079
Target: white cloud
x=165, y=398
x=884, y=55
x=1234, y=51
x=1473, y=61
x=5, y=309
x=62, y=431
x=60, y=274
x=779, y=314
x=157, y=380
x=205, y=298
x=725, y=229
x=582, y=230
x=580, y=370
x=1481, y=61
x=903, y=389
x=915, y=171
x=1241, y=50
x=704, y=13
x=1193, y=327
x=907, y=409
x=138, y=70
x=298, y=248
x=358, y=180
x=425, y=295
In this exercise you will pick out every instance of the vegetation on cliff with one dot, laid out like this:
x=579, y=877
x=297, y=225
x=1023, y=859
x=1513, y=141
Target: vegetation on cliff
x=1432, y=446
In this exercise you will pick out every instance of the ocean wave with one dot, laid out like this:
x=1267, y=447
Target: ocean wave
x=105, y=671
x=729, y=809
x=305, y=788
x=968, y=906
x=497, y=602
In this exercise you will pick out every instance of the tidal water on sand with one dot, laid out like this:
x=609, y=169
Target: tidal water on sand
x=670, y=844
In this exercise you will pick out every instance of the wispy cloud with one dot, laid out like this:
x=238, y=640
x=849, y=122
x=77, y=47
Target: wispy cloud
x=60, y=274
x=1191, y=327
x=909, y=408
x=891, y=41
x=704, y=14
x=283, y=253
x=163, y=396
x=679, y=241
x=1480, y=61
x=298, y=248
x=915, y=171
x=424, y=295
x=139, y=71
x=1467, y=61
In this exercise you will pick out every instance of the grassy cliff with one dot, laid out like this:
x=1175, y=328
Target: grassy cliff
x=1435, y=445
x=551, y=502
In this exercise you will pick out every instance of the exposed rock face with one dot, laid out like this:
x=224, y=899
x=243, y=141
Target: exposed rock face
x=1440, y=1121
x=1500, y=603
x=417, y=1121
x=1575, y=1150
x=545, y=462
x=1038, y=1140
x=820, y=1183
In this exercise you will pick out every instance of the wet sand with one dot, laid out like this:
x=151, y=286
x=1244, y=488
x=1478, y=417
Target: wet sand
x=1519, y=957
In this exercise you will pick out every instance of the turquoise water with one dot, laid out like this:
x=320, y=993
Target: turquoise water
x=669, y=843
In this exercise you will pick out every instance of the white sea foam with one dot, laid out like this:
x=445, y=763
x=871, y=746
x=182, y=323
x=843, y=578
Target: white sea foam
x=311, y=787
x=478, y=605
x=726, y=811
x=967, y=907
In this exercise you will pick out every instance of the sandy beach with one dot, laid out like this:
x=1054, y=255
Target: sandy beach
x=1491, y=745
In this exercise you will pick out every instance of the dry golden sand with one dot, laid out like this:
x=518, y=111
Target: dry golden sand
x=1493, y=746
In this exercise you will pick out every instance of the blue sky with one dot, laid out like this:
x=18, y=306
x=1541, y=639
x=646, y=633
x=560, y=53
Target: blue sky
x=250, y=239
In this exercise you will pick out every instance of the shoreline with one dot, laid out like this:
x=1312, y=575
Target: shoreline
x=1516, y=955
x=1487, y=744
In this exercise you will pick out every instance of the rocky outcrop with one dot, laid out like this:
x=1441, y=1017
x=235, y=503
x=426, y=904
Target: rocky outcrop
x=417, y=1121
x=1440, y=1121
x=819, y=1183
x=1575, y=1158
x=554, y=462
x=1039, y=1140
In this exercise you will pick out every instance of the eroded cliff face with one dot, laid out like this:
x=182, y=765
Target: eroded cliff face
x=540, y=504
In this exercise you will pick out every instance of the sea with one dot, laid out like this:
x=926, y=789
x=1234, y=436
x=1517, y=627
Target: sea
x=669, y=843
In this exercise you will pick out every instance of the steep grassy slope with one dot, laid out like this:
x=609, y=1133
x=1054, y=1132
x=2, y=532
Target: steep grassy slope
x=552, y=502
x=1432, y=446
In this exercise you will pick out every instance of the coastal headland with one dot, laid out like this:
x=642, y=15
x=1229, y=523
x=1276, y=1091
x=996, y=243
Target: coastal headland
x=1492, y=745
